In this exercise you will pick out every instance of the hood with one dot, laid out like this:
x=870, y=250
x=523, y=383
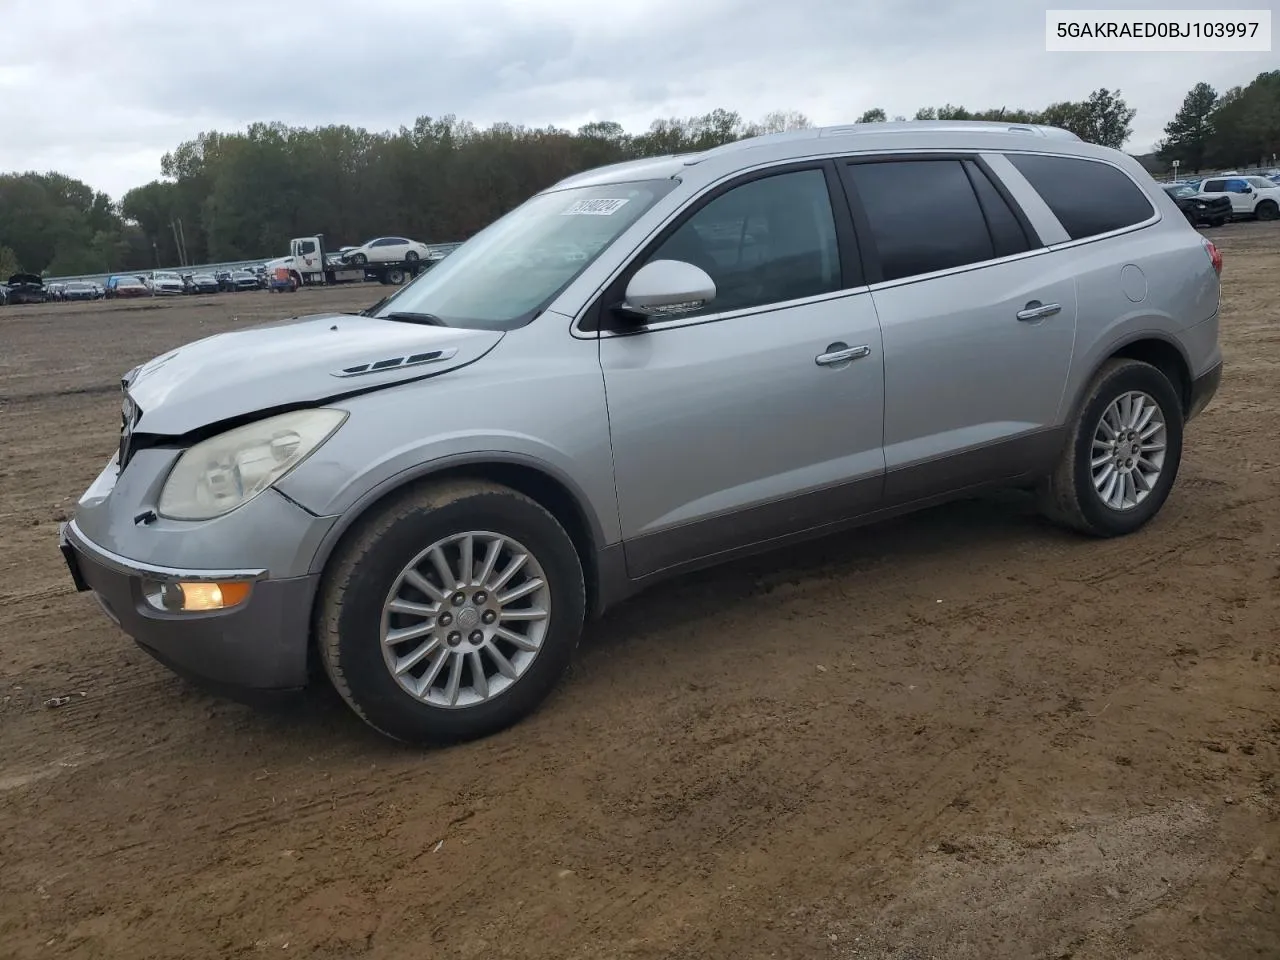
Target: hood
x=306, y=360
x=26, y=279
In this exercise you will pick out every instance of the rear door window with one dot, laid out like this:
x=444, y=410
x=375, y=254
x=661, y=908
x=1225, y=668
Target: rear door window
x=927, y=215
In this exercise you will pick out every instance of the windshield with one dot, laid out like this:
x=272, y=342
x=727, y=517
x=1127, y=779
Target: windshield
x=503, y=276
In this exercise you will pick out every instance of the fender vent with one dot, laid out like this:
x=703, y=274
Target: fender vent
x=396, y=363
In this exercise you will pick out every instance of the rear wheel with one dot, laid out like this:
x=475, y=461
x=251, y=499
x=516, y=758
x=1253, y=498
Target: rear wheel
x=1123, y=454
x=395, y=277
x=1267, y=210
x=452, y=613
x=411, y=256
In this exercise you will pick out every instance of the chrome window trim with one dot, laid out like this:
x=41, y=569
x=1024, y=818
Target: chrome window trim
x=658, y=326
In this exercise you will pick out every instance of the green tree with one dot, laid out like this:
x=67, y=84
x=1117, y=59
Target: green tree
x=1246, y=124
x=1188, y=134
x=874, y=115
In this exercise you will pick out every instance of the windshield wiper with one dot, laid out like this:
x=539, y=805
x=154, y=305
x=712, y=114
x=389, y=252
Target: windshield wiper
x=429, y=319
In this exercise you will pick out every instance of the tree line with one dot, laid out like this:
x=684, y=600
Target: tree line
x=232, y=196
x=1237, y=128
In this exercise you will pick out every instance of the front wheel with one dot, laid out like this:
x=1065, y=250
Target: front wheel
x=451, y=613
x=1267, y=210
x=1123, y=453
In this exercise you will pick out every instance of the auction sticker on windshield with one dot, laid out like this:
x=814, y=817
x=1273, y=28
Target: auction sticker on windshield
x=594, y=208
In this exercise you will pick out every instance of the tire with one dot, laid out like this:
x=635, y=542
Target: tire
x=411, y=256
x=1069, y=496
x=395, y=277
x=359, y=259
x=1267, y=210
x=361, y=576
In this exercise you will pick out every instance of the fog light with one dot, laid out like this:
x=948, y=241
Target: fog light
x=193, y=596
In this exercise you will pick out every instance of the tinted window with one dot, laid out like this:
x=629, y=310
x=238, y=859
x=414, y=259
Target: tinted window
x=1007, y=234
x=924, y=215
x=1214, y=186
x=766, y=241
x=1087, y=197
x=1236, y=186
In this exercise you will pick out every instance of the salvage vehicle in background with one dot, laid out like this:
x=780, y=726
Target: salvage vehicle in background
x=125, y=286
x=1207, y=210
x=242, y=280
x=164, y=284
x=26, y=288
x=386, y=250
x=81, y=290
x=203, y=283
x=311, y=262
x=771, y=340
x=1249, y=196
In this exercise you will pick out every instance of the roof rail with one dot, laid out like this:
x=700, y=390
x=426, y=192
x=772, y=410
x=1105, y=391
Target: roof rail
x=889, y=127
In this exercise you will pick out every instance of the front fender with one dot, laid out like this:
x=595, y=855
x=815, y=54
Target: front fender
x=522, y=405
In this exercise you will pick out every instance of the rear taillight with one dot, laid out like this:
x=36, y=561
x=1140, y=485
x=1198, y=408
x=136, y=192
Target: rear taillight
x=1215, y=255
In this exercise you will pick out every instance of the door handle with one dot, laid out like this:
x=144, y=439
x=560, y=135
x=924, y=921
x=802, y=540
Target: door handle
x=839, y=353
x=1035, y=310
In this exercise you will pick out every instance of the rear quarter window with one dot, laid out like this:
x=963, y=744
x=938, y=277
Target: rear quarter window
x=1087, y=196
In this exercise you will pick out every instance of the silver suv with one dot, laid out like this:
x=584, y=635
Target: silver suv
x=647, y=368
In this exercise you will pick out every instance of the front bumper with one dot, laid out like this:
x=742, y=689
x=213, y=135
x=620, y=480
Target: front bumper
x=259, y=645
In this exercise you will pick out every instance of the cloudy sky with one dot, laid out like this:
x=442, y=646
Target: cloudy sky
x=100, y=90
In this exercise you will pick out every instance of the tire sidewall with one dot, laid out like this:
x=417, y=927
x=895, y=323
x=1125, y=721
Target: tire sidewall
x=1149, y=380
x=375, y=692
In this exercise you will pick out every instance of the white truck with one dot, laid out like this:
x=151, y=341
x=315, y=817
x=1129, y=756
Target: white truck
x=311, y=264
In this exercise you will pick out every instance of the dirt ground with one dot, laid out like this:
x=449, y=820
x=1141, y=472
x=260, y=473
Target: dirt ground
x=960, y=735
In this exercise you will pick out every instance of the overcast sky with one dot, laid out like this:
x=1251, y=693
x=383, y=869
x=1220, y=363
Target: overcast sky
x=100, y=90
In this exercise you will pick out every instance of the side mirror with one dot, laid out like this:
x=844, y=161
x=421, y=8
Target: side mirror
x=666, y=288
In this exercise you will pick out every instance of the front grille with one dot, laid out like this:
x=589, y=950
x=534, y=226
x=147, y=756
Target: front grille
x=129, y=414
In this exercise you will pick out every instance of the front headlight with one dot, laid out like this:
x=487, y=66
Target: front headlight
x=221, y=473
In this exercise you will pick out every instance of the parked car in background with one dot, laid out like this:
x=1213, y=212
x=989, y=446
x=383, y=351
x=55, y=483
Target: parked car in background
x=241, y=280
x=27, y=288
x=386, y=250
x=1249, y=196
x=126, y=286
x=81, y=290
x=166, y=284
x=1211, y=211
x=203, y=283
x=923, y=310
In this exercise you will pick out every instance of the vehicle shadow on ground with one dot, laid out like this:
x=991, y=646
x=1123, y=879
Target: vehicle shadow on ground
x=1003, y=518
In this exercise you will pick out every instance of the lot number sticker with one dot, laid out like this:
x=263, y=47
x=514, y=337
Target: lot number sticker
x=594, y=208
